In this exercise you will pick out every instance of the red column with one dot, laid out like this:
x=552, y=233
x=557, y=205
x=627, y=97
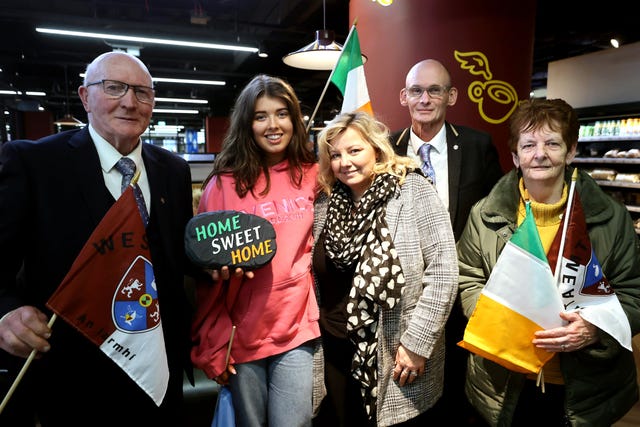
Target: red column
x=37, y=124
x=486, y=45
x=215, y=129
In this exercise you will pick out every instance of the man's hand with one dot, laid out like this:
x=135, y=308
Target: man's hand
x=23, y=330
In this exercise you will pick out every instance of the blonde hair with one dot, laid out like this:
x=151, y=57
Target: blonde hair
x=373, y=132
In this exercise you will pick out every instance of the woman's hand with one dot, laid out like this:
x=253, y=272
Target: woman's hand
x=223, y=378
x=225, y=274
x=576, y=335
x=408, y=366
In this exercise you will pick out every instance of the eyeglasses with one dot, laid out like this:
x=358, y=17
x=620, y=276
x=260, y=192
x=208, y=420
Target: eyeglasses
x=434, y=91
x=118, y=89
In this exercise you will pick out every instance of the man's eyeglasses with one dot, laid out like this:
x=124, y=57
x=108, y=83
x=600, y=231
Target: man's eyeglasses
x=118, y=89
x=434, y=91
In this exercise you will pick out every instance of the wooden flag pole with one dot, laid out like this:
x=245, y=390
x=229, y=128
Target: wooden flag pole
x=23, y=370
x=233, y=333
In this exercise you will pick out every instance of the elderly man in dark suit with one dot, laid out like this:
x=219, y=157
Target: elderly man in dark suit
x=464, y=164
x=53, y=194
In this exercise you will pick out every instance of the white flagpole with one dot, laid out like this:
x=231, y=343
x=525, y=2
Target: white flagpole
x=567, y=217
x=326, y=86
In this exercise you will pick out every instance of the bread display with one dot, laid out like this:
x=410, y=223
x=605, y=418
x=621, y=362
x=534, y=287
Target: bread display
x=628, y=177
x=603, y=174
x=634, y=153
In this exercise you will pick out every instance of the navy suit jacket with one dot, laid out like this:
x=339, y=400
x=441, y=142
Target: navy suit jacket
x=52, y=196
x=474, y=168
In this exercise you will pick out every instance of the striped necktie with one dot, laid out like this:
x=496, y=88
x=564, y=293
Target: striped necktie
x=127, y=168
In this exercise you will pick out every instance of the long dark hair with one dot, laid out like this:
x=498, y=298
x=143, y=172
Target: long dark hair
x=241, y=156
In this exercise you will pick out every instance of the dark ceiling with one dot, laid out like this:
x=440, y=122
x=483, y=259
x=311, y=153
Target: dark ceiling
x=34, y=61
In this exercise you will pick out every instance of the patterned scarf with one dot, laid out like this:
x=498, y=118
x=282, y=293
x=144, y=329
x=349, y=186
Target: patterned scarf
x=365, y=238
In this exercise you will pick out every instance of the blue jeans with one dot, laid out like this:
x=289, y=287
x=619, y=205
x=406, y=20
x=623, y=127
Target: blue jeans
x=275, y=391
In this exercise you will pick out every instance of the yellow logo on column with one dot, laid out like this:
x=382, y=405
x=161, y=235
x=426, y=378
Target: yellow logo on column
x=489, y=90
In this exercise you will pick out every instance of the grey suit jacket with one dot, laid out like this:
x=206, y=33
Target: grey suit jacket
x=422, y=236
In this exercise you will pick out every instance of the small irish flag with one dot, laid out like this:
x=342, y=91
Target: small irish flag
x=348, y=76
x=520, y=298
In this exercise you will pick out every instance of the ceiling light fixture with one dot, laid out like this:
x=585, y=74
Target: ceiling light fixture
x=67, y=119
x=187, y=81
x=183, y=100
x=615, y=43
x=321, y=54
x=17, y=92
x=174, y=111
x=190, y=81
x=150, y=40
x=262, y=52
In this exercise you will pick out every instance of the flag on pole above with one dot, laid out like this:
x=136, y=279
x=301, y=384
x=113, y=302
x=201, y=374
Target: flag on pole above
x=520, y=298
x=348, y=76
x=109, y=295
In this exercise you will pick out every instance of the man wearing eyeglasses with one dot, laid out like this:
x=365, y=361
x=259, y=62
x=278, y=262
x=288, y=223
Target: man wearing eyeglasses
x=53, y=194
x=466, y=166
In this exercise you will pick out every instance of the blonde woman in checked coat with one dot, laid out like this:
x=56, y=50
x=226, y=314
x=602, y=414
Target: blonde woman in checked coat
x=385, y=266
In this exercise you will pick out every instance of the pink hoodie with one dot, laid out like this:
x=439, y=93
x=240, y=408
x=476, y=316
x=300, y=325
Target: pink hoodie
x=277, y=309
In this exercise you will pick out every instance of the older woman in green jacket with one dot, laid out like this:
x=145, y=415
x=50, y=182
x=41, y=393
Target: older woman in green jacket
x=591, y=380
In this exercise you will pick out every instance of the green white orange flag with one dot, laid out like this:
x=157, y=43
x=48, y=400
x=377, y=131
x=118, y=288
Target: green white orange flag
x=348, y=76
x=121, y=313
x=519, y=298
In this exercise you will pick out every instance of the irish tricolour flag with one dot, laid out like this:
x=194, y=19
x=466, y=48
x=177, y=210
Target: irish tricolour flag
x=348, y=76
x=520, y=298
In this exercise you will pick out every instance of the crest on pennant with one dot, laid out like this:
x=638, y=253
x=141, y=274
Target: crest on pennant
x=135, y=306
x=594, y=282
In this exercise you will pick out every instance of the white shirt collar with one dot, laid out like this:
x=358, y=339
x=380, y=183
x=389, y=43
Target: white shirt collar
x=439, y=141
x=107, y=153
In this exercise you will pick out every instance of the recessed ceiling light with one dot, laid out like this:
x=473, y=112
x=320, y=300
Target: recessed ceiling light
x=183, y=100
x=150, y=40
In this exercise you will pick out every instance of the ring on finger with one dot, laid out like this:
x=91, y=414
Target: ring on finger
x=563, y=347
x=413, y=373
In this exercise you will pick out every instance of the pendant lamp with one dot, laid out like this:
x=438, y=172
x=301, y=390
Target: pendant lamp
x=67, y=119
x=322, y=54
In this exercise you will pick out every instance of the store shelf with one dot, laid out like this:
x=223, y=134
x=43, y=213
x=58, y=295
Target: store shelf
x=604, y=122
x=607, y=160
x=618, y=184
x=616, y=138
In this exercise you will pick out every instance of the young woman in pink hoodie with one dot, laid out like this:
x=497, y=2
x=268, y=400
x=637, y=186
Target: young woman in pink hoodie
x=265, y=168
